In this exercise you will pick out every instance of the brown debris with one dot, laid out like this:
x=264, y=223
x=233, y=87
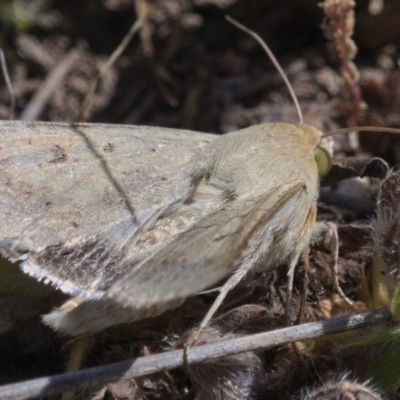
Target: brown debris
x=338, y=28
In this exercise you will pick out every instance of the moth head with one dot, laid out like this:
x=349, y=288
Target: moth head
x=323, y=147
x=323, y=157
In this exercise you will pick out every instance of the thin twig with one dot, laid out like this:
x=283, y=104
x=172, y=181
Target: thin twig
x=8, y=83
x=114, y=57
x=35, y=107
x=141, y=366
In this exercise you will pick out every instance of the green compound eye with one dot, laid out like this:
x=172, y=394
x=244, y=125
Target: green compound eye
x=323, y=160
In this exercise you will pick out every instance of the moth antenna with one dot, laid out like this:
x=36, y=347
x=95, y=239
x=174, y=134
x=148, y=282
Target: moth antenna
x=363, y=129
x=274, y=61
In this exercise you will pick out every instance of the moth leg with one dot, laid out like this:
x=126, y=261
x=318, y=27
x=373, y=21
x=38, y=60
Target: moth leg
x=223, y=291
x=80, y=348
x=331, y=229
x=334, y=237
x=290, y=277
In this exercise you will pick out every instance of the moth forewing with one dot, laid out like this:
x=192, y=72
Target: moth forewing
x=66, y=192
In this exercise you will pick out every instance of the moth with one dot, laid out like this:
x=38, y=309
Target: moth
x=132, y=220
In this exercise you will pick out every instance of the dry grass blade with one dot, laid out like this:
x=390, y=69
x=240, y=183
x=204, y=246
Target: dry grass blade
x=118, y=51
x=35, y=107
x=8, y=82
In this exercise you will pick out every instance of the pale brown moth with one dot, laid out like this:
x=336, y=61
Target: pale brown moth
x=132, y=220
x=202, y=206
